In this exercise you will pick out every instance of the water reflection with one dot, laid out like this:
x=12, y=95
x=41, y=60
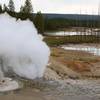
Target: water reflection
x=91, y=49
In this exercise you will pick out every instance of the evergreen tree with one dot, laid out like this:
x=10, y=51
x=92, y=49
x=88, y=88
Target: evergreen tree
x=11, y=6
x=28, y=7
x=39, y=22
x=0, y=9
x=22, y=9
x=5, y=8
x=26, y=11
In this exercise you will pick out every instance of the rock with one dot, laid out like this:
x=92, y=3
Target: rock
x=7, y=84
x=51, y=75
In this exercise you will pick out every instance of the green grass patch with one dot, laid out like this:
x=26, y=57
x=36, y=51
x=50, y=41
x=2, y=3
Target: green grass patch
x=56, y=41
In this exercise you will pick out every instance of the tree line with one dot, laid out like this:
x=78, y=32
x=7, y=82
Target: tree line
x=26, y=12
x=61, y=23
x=44, y=23
x=27, y=8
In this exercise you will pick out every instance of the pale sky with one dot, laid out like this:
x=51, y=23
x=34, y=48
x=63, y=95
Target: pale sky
x=61, y=6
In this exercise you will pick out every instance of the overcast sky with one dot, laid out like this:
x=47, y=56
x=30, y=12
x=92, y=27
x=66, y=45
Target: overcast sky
x=61, y=6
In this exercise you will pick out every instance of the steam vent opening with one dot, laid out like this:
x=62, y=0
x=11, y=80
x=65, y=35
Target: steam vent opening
x=22, y=51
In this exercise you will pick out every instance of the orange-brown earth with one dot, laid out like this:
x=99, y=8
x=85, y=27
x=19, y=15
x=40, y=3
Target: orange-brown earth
x=75, y=64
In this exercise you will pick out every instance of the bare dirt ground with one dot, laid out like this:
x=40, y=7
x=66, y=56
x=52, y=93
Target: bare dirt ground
x=61, y=90
x=70, y=75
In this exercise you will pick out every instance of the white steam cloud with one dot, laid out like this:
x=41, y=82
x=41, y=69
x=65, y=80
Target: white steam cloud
x=21, y=49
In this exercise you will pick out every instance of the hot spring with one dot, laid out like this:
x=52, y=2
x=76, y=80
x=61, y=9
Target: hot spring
x=22, y=51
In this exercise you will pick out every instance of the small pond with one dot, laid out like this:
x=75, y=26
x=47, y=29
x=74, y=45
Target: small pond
x=66, y=33
x=91, y=49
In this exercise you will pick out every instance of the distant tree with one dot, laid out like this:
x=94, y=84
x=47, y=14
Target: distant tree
x=11, y=6
x=27, y=7
x=0, y=9
x=22, y=9
x=22, y=14
x=39, y=22
x=5, y=8
x=26, y=11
